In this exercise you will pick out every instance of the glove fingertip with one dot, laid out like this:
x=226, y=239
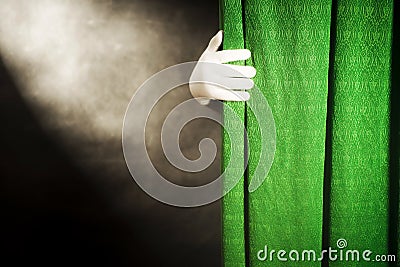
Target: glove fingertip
x=215, y=42
x=204, y=101
x=246, y=53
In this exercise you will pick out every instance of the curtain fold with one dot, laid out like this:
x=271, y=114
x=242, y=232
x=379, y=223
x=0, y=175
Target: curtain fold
x=233, y=232
x=325, y=69
x=360, y=137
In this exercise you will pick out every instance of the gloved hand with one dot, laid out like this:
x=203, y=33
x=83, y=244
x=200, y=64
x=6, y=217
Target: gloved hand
x=235, y=79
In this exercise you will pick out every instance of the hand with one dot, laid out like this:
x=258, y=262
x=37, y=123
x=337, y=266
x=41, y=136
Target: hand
x=235, y=78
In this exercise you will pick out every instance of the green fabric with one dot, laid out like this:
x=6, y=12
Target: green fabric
x=286, y=211
x=233, y=204
x=325, y=70
x=360, y=141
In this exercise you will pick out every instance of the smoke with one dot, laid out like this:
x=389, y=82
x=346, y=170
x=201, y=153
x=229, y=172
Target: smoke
x=79, y=62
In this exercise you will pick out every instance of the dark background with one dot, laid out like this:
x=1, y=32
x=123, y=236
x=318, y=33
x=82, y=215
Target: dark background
x=67, y=72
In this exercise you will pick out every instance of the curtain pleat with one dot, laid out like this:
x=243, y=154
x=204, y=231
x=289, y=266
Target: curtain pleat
x=360, y=138
x=290, y=45
x=233, y=231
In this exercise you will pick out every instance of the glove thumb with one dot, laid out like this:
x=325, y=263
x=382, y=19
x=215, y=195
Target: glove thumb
x=215, y=42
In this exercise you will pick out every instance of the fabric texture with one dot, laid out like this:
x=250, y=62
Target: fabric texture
x=325, y=69
x=233, y=233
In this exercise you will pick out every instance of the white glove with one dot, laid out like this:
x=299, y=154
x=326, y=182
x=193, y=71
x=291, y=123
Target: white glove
x=232, y=79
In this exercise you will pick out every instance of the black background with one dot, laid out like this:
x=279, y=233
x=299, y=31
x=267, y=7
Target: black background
x=56, y=211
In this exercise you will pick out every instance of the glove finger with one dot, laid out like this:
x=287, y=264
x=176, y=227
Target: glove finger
x=229, y=83
x=216, y=92
x=229, y=95
x=233, y=55
x=246, y=71
x=215, y=42
x=203, y=101
x=237, y=83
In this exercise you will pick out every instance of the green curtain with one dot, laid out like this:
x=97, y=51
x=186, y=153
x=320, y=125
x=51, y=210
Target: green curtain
x=327, y=69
